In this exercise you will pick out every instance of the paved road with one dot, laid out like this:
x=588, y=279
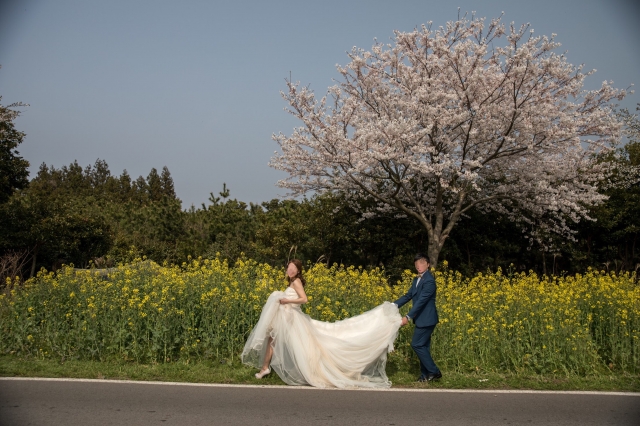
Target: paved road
x=75, y=403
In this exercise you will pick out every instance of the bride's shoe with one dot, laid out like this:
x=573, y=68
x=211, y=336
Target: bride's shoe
x=263, y=373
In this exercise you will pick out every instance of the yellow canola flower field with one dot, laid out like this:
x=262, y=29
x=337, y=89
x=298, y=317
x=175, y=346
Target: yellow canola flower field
x=205, y=309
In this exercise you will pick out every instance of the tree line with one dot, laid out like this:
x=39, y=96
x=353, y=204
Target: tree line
x=86, y=216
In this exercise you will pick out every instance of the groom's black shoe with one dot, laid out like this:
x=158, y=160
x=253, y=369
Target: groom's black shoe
x=432, y=377
x=422, y=379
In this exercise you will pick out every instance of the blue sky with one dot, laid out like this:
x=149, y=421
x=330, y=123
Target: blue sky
x=194, y=85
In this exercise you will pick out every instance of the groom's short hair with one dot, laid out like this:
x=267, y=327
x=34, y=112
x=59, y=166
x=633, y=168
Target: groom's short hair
x=421, y=256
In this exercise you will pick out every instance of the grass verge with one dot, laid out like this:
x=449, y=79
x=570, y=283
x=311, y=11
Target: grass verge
x=236, y=373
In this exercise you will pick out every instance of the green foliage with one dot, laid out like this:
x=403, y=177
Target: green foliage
x=74, y=215
x=13, y=168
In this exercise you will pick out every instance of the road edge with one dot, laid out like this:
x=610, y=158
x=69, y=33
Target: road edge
x=222, y=385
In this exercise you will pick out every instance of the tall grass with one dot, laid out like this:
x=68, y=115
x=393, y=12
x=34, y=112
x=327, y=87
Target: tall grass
x=144, y=312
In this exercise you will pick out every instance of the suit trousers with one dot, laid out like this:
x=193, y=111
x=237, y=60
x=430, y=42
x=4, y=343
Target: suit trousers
x=421, y=344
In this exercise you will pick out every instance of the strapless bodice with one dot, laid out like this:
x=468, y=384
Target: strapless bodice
x=290, y=293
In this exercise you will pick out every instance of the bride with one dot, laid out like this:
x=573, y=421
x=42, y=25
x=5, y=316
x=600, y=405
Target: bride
x=303, y=351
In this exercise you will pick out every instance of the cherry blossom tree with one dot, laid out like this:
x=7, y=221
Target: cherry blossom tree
x=470, y=115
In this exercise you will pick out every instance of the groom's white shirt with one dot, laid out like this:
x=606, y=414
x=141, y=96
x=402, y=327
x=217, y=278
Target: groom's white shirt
x=418, y=280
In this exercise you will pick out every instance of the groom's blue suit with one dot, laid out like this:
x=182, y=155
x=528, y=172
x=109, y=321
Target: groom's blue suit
x=424, y=315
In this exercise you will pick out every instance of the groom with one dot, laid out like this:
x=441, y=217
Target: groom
x=424, y=315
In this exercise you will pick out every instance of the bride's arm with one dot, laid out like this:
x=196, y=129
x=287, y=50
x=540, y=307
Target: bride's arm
x=302, y=296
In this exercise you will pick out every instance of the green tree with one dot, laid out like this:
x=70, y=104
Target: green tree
x=166, y=182
x=53, y=230
x=154, y=185
x=13, y=168
x=611, y=241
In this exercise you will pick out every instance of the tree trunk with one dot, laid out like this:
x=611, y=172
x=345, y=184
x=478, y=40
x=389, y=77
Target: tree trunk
x=433, y=251
x=33, y=262
x=437, y=232
x=436, y=239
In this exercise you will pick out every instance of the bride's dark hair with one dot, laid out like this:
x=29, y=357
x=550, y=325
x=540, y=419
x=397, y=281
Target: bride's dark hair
x=298, y=265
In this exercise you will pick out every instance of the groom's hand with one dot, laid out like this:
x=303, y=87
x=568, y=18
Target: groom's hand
x=405, y=321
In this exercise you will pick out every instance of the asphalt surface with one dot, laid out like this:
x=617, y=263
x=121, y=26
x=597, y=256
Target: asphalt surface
x=84, y=402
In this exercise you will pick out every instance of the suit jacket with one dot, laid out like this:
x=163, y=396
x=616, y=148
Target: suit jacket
x=423, y=313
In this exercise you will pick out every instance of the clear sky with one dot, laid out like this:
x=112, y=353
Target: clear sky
x=194, y=85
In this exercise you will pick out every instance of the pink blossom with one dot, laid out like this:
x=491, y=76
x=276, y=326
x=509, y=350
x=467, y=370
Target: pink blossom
x=442, y=121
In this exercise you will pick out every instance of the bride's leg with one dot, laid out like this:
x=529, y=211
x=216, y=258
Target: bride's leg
x=268, y=355
x=267, y=360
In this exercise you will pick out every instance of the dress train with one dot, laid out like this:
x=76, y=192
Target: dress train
x=343, y=354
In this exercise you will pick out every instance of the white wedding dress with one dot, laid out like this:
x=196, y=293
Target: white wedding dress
x=343, y=354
